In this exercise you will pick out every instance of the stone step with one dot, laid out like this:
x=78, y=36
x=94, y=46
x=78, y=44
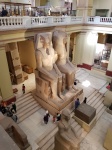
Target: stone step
x=79, y=132
x=99, y=103
x=96, y=100
x=74, y=124
x=92, y=95
x=27, y=106
x=48, y=144
x=99, y=108
x=46, y=133
x=77, y=128
x=23, y=97
x=20, y=106
x=83, y=135
x=24, y=100
x=29, y=113
x=48, y=137
x=51, y=147
x=101, y=112
x=27, y=110
x=93, y=99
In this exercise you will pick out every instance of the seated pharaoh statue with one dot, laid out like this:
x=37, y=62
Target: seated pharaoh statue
x=63, y=63
x=49, y=78
x=66, y=138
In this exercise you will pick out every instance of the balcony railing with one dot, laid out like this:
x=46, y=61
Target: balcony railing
x=99, y=20
x=8, y=23
x=11, y=23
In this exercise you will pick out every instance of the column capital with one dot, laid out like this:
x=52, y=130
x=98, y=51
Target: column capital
x=68, y=34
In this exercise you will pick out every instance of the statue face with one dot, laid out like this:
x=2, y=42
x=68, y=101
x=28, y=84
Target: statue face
x=45, y=41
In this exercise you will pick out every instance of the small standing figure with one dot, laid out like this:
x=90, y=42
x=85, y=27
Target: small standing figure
x=58, y=116
x=85, y=100
x=23, y=88
x=14, y=117
x=54, y=119
x=77, y=103
x=13, y=109
x=46, y=117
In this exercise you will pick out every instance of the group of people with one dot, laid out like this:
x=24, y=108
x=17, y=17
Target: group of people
x=9, y=112
x=55, y=118
x=77, y=102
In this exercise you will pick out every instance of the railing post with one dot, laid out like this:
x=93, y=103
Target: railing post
x=97, y=20
x=27, y=22
x=50, y=19
x=67, y=19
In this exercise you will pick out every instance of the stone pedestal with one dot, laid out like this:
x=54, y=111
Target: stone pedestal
x=85, y=112
x=108, y=139
x=108, y=98
x=85, y=115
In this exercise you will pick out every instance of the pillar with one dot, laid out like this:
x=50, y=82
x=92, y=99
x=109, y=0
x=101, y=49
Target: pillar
x=85, y=49
x=74, y=48
x=84, y=8
x=109, y=68
x=5, y=81
x=68, y=44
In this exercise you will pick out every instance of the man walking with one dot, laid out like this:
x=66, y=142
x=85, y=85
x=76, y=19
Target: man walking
x=23, y=88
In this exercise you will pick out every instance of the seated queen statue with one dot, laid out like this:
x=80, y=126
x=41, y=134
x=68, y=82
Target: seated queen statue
x=63, y=63
x=48, y=76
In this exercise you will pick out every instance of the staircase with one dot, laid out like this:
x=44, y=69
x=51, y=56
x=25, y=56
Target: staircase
x=26, y=106
x=80, y=132
x=96, y=100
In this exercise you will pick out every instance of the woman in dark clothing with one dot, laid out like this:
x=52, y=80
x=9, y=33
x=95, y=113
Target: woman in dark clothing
x=85, y=100
x=46, y=117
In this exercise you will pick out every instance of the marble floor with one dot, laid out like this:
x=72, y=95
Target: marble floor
x=33, y=126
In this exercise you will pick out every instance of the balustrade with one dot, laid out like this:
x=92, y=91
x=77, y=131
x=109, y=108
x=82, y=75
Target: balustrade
x=8, y=23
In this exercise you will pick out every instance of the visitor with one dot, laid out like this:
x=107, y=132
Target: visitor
x=58, y=116
x=108, y=86
x=4, y=12
x=23, y=88
x=46, y=117
x=13, y=109
x=8, y=112
x=77, y=103
x=85, y=100
x=54, y=119
x=14, y=117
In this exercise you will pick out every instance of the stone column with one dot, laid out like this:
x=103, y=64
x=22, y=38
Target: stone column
x=85, y=49
x=84, y=8
x=74, y=48
x=68, y=44
x=109, y=68
x=5, y=81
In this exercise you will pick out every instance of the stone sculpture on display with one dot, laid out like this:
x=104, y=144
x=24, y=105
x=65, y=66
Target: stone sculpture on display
x=63, y=63
x=66, y=138
x=53, y=87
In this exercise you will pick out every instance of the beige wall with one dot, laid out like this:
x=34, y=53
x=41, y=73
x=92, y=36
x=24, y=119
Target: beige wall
x=43, y=2
x=27, y=53
x=37, y=3
x=102, y=4
x=5, y=82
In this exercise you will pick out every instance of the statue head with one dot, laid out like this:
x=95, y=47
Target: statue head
x=59, y=36
x=66, y=114
x=43, y=40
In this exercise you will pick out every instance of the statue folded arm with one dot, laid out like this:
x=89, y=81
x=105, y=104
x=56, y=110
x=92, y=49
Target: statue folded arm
x=42, y=69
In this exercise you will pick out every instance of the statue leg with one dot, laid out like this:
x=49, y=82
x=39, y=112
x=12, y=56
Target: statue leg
x=54, y=88
x=60, y=82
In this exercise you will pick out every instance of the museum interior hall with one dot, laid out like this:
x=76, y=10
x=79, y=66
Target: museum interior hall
x=55, y=75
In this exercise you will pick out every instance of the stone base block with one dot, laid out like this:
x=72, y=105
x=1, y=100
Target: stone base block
x=54, y=107
x=84, y=125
